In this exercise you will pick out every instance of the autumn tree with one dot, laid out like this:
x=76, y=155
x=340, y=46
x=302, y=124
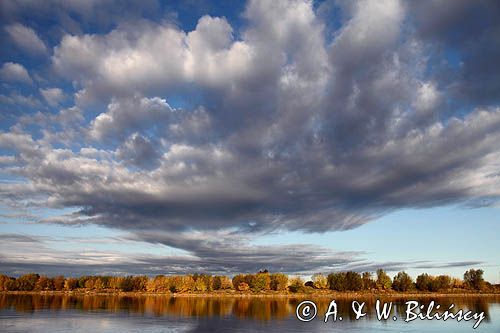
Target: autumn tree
x=368, y=282
x=260, y=282
x=402, y=282
x=237, y=279
x=243, y=286
x=296, y=285
x=181, y=283
x=319, y=281
x=384, y=282
x=473, y=279
x=279, y=282
x=59, y=282
x=424, y=282
x=27, y=282
x=199, y=285
x=3, y=280
x=71, y=284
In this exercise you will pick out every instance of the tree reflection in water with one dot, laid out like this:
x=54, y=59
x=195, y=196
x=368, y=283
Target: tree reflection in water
x=258, y=308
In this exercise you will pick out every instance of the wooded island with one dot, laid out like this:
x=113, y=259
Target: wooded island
x=260, y=282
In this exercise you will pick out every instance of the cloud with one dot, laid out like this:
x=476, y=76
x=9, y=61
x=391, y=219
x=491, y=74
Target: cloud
x=53, y=96
x=277, y=126
x=124, y=116
x=15, y=72
x=222, y=255
x=138, y=151
x=26, y=38
x=465, y=47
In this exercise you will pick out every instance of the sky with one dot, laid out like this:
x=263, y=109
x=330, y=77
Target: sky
x=232, y=136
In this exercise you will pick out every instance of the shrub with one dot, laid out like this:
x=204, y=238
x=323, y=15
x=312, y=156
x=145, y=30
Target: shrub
x=319, y=281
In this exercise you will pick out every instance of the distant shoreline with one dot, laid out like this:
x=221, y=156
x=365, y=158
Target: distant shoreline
x=260, y=294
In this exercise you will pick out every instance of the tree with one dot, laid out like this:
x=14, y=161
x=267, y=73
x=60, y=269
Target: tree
x=71, y=284
x=337, y=281
x=225, y=283
x=424, y=282
x=115, y=282
x=127, y=283
x=402, y=282
x=260, y=282
x=473, y=279
x=98, y=284
x=181, y=283
x=279, y=281
x=296, y=285
x=243, y=286
x=199, y=285
x=3, y=280
x=58, y=282
x=44, y=283
x=237, y=279
x=11, y=285
x=319, y=281
x=139, y=283
x=27, y=282
x=368, y=282
x=353, y=281
x=383, y=280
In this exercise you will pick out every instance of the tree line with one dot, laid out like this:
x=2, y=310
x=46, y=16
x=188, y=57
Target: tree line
x=258, y=282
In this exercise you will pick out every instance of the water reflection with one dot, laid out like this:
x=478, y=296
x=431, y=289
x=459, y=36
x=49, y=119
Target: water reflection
x=257, y=308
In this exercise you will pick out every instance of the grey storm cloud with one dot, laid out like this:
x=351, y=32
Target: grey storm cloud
x=297, y=128
x=215, y=255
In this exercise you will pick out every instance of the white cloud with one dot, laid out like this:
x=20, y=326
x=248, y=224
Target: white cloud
x=53, y=96
x=26, y=38
x=428, y=97
x=11, y=71
x=128, y=115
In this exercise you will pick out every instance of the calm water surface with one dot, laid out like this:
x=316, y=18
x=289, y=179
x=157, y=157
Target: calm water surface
x=62, y=313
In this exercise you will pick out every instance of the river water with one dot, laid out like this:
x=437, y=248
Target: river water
x=162, y=313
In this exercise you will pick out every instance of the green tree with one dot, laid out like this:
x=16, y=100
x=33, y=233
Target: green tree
x=383, y=280
x=337, y=281
x=402, y=282
x=353, y=281
x=473, y=279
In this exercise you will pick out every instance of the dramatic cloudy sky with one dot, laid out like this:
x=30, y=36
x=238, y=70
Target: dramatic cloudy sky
x=297, y=136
